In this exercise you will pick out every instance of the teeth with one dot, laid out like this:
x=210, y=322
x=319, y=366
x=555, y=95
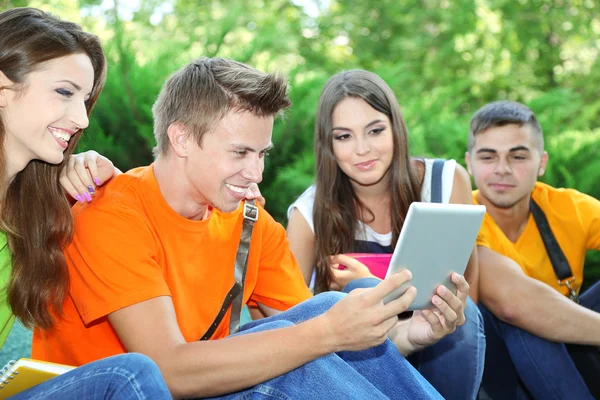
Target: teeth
x=236, y=189
x=60, y=134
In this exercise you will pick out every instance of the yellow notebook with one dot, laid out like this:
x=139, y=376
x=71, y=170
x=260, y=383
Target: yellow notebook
x=21, y=375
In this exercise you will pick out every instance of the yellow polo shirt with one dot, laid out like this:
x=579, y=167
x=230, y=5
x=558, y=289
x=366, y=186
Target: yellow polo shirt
x=575, y=221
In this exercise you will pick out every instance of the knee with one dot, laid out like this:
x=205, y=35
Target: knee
x=473, y=314
x=278, y=324
x=327, y=299
x=136, y=364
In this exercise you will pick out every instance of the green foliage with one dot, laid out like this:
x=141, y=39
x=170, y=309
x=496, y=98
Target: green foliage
x=443, y=59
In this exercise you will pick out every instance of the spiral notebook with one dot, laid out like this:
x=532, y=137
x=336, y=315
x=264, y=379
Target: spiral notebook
x=17, y=376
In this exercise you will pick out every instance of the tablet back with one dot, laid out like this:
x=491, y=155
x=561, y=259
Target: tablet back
x=436, y=240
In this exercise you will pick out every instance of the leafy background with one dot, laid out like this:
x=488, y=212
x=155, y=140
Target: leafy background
x=443, y=58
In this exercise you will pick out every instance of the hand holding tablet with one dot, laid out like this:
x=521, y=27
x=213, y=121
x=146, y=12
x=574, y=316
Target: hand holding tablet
x=436, y=240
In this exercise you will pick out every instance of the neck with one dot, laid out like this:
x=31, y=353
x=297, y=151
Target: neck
x=16, y=160
x=512, y=220
x=177, y=189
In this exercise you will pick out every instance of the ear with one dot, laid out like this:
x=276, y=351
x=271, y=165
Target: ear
x=178, y=138
x=468, y=162
x=5, y=84
x=543, y=163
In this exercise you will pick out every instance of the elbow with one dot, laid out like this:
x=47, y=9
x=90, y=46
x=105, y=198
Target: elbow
x=505, y=309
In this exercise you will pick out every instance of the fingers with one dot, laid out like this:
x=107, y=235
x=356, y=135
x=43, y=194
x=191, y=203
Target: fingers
x=401, y=304
x=388, y=285
x=357, y=268
x=253, y=192
x=435, y=321
x=91, y=162
x=69, y=188
x=462, y=286
x=451, y=307
x=80, y=176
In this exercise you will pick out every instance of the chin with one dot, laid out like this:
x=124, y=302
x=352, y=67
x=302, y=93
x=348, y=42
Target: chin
x=54, y=159
x=228, y=207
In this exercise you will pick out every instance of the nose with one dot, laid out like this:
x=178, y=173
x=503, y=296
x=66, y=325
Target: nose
x=254, y=168
x=362, y=146
x=79, y=115
x=502, y=167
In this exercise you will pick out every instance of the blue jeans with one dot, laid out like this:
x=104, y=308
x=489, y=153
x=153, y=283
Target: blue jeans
x=454, y=365
x=124, y=377
x=520, y=365
x=377, y=373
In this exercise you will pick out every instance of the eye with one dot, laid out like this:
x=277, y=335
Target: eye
x=240, y=153
x=343, y=136
x=376, y=131
x=64, y=92
x=519, y=158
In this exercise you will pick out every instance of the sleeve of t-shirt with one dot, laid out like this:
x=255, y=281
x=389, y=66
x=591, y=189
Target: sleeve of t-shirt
x=112, y=262
x=280, y=284
x=483, y=238
x=305, y=204
x=589, y=211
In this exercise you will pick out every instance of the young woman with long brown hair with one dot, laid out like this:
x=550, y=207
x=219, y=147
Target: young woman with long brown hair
x=365, y=182
x=51, y=74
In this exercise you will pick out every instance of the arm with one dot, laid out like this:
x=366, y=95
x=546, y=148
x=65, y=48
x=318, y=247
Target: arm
x=302, y=244
x=209, y=368
x=532, y=305
x=461, y=194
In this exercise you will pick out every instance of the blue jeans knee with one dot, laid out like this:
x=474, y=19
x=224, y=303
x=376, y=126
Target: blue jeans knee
x=125, y=376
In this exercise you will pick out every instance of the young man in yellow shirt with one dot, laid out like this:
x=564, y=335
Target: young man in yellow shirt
x=528, y=316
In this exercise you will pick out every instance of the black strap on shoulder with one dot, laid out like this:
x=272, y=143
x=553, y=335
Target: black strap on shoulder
x=557, y=257
x=436, y=180
x=235, y=297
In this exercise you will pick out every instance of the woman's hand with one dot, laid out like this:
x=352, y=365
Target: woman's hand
x=345, y=269
x=84, y=172
x=253, y=192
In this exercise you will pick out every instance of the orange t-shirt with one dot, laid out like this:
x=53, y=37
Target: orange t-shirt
x=574, y=218
x=130, y=246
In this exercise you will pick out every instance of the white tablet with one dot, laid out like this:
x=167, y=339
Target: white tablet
x=436, y=240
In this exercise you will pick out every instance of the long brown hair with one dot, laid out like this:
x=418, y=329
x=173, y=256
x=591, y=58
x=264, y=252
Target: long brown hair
x=337, y=208
x=35, y=213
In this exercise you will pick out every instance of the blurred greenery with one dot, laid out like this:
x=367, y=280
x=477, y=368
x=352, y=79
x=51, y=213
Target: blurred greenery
x=444, y=59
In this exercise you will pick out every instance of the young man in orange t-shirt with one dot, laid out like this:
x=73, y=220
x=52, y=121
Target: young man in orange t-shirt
x=152, y=261
x=527, y=315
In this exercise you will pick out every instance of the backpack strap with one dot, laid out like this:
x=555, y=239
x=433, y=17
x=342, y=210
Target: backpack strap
x=436, y=180
x=235, y=296
x=557, y=257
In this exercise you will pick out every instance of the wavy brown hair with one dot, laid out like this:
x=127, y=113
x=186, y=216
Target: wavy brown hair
x=35, y=213
x=337, y=208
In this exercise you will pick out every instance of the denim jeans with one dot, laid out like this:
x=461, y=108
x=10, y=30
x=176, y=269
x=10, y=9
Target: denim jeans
x=124, y=377
x=454, y=365
x=377, y=373
x=520, y=365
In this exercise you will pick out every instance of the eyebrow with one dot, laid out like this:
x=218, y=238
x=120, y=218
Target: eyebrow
x=252, y=150
x=376, y=121
x=511, y=150
x=76, y=86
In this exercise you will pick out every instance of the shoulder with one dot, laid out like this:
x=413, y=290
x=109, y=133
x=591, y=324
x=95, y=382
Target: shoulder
x=121, y=196
x=445, y=176
x=549, y=196
x=304, y=204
